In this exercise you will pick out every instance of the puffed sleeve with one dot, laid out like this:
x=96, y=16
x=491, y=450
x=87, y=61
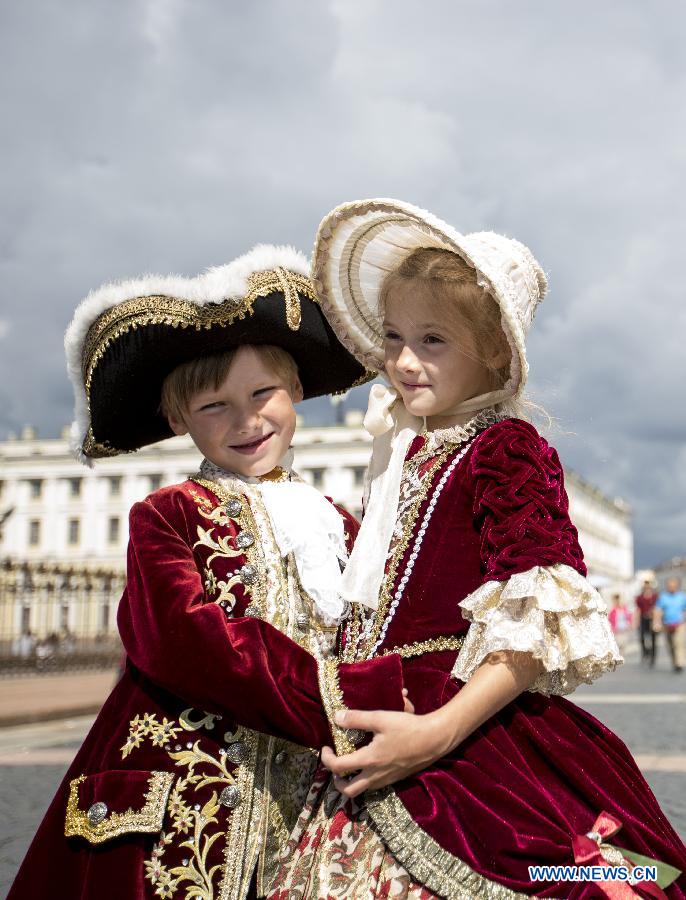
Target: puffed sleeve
x=243, y=667
x=534, y=596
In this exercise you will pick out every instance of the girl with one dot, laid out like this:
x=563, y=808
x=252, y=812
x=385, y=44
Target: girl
x=469, y=568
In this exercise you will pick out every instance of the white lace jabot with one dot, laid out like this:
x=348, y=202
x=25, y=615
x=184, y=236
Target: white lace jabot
x=305, y=524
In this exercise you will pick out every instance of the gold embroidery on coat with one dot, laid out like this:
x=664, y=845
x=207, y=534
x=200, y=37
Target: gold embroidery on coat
x=148, y=819
x=190, y=723
x=147, y=726
x=201, y=770
x=217, y=514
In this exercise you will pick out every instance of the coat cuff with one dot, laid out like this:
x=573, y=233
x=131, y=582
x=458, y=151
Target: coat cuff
x=551, y=612
x=370, y=685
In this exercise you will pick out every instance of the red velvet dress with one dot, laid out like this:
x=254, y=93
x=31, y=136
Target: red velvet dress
x=484, y=557
x=197, y=766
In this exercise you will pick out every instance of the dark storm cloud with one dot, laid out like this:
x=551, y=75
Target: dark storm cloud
x=167, y=136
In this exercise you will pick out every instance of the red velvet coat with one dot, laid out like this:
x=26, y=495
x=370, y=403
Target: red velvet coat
x=178, y=791
x=537, y=774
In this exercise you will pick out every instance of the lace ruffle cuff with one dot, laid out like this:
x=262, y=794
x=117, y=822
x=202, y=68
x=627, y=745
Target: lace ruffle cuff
x=551, y=612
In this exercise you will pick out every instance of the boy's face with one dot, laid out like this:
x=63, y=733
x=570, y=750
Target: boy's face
x=247, y=424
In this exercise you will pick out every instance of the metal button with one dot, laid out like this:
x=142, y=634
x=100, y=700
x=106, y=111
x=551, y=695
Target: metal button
x=248, y=573
x=97, y=813
x=356, y=735
x=251, y=610
x=230, y=797
x=244, y=539
x=237, y=753
x=280, y=758
x=233, y=507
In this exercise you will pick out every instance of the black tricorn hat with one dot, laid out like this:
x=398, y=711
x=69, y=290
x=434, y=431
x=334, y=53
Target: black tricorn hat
x=125, y=338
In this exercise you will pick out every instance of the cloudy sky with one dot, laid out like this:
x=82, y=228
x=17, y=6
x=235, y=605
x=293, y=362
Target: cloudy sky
x=169, y=135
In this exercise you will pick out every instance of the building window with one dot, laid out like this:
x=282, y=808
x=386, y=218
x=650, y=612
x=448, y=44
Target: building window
x=113, y=530
x=34, y=532
x=35, y=488
x=74, y=487
x=115, y=485
x=73, y=529
x=317, y=477
x=155, y=481
x=64, y=617
x=358, y=475
x=105, y=617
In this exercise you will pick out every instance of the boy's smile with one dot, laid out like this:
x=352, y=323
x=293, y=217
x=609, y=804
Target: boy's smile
x=246, y=424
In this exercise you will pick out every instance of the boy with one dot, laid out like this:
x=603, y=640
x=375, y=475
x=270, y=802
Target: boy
x=178, y=791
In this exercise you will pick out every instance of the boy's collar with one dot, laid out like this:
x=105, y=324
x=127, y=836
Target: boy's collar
x=282, y=472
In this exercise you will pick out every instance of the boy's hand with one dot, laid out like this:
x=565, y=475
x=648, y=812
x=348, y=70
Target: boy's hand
x=403, y=744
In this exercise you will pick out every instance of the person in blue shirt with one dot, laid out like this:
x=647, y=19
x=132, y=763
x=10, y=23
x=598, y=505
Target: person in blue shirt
x=672, y=611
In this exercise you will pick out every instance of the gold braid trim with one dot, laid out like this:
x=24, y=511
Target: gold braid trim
x=290, y=284
x=432, y=645
x=425, y=859
x=156, y=309
x=149, y=818
x=159, y=309
x=332, y=699
x=96, y=449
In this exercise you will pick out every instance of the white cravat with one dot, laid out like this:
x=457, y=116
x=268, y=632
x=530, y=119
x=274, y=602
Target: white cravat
x=307, y=525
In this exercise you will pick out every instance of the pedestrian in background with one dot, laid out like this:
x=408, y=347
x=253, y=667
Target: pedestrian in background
x=671, y=618
x=645, y=604
x=621, y=621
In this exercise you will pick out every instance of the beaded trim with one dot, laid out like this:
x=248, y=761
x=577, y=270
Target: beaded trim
x=332, y=699
x=436, y=868
x=397, y=597
x=147, y=819
x=359, y=639
x=432, y=645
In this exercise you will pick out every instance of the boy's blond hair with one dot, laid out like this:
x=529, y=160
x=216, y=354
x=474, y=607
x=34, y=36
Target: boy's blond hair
x=208, y=372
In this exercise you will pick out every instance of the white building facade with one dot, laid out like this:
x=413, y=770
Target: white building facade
x=58, y=510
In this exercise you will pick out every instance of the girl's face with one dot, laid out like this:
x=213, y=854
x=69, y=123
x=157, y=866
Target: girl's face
x=431, y=362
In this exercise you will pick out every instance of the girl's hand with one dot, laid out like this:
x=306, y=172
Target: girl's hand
x=403, y=744
x=408, y=705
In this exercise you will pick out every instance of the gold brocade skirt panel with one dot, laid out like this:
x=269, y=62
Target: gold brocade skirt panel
x=334, y=852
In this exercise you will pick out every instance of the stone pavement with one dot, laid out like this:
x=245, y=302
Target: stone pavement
x=647, y=708
x=38, y=698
